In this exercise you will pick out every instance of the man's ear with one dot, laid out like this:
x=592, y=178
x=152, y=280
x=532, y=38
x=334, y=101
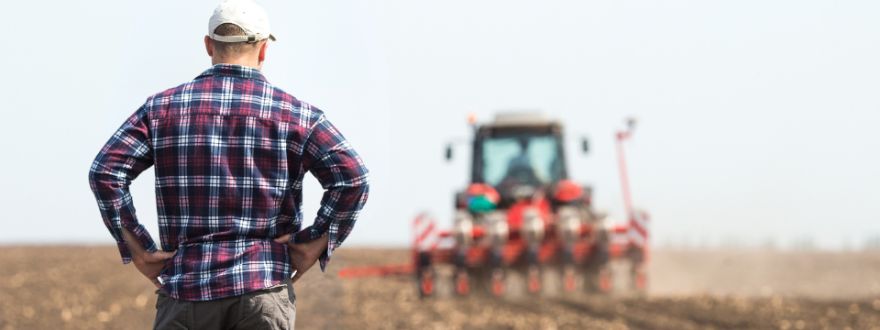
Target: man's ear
x=262, y=57
x=209, y=46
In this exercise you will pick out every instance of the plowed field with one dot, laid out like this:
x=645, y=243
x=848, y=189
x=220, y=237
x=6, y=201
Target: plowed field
x=82, y=287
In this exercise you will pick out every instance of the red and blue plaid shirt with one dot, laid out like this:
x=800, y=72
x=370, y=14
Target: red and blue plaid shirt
x=230, y=151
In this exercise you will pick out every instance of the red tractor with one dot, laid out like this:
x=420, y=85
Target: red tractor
x=522, y=213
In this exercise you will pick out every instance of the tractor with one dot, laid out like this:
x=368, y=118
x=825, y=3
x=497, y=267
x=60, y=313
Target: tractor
x=521, y=213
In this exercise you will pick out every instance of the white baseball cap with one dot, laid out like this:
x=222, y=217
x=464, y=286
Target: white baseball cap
x=247, y=15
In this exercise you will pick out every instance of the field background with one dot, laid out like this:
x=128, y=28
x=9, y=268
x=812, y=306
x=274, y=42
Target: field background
x=86, y=287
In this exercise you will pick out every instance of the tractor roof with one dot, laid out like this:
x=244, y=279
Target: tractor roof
x=520, y=119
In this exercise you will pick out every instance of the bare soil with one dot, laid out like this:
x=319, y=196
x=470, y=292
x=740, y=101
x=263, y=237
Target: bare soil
x=86, y=287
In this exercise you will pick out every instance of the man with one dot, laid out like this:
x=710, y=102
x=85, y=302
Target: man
x=230, y=151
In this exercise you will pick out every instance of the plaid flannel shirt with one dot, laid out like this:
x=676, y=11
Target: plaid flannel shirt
x=230, y=151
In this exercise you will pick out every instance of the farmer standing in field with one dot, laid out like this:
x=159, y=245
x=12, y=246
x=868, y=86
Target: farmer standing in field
x=230, y=151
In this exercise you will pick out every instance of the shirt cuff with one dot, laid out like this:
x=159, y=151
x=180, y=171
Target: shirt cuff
x=124, y=252
x=325, y=257
x=143, y=238
x=305, y=235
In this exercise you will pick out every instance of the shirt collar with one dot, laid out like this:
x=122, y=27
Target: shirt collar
x=233, y=70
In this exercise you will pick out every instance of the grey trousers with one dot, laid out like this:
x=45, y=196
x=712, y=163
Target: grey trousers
x=272, y=308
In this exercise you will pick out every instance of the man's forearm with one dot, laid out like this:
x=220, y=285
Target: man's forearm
x=340, y=207
x=341, y=171
x=134, y=246
x=126, y=154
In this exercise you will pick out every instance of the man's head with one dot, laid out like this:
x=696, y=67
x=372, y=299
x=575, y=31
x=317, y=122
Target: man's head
x=238, y=32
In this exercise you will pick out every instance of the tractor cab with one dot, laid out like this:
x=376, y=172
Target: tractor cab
x=518, y=155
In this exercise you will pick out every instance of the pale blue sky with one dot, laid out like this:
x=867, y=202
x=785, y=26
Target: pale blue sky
x=758, y=119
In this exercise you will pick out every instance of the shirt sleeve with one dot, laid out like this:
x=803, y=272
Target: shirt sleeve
x=121, y=160
x=342, y=174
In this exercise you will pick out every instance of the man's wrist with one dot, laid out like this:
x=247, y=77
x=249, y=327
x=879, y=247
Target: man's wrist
x=303, y=236
x=138, y=257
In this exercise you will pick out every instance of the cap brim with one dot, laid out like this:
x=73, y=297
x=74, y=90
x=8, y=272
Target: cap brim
x=237, y=38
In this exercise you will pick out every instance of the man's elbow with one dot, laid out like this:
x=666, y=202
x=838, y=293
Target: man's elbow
x=358, y=183
x=363, y=178
x=364, y=188
x=357, y=175
x=97, y=176
x=94, y=177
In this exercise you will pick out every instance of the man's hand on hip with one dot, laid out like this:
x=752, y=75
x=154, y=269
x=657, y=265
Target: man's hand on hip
x=303, y=255
x=150, y=264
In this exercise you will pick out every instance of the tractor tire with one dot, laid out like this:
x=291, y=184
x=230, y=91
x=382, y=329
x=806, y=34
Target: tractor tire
x=596, y=271
x=425, y=275
x=638, y=272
